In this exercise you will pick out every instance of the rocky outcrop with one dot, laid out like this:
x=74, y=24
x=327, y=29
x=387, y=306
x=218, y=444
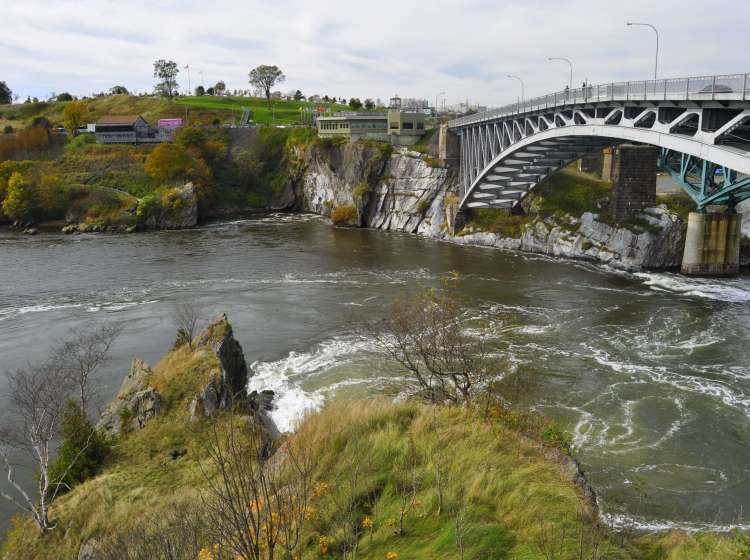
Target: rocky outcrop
x=409, y=192
x=178, y=209
x=135, y=404
x=230, y=382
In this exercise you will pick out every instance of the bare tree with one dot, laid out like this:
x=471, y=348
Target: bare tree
x=81, y=355
x=37, y=397
x=180, y=535
x=426, y=334
x=255, y=506
x=186, y=317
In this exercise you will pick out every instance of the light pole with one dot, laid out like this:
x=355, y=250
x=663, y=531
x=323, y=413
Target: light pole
x=523, y=87
x=563, y=59
x=656, y=62
x=190, y=87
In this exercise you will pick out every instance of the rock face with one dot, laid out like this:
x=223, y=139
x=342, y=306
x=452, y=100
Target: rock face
x=406, y=193
x=231, y=381
x=135, y=404
x=180, y=211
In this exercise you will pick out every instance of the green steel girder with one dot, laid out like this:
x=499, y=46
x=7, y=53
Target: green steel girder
x=700, y=180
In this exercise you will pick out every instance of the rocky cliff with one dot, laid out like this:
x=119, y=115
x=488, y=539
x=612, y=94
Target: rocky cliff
x=405, y=191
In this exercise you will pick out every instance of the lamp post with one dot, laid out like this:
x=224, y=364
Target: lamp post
x=656, y=61
x=436, y=101
x=523, y=87
x=563, y=59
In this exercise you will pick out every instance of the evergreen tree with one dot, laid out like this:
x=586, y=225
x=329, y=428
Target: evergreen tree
x=82, y=453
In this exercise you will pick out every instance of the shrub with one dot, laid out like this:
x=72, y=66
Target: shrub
x=8, y=129
x=19, y=202
x=361, y=190
x=423, y=206
x=80, y=140
x=344, y=215
x=83, y=450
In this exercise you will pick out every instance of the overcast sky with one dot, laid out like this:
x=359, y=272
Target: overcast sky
x=367, y=49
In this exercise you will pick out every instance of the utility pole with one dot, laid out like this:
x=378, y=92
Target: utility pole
x=190, y=86
x=656, y=60
x=563, y=59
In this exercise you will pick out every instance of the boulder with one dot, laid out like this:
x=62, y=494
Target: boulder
x=182, y=210
x=135, y=404
x=31, y=231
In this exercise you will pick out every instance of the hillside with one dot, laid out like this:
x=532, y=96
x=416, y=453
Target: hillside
x=197, y=110
x=396, y=481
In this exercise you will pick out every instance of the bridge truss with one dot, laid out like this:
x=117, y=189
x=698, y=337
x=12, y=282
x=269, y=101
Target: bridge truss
x=702, y=126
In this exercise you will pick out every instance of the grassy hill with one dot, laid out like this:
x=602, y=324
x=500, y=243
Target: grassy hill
x=201, y=110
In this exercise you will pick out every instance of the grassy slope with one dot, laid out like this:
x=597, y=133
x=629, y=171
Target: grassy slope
x=197, y=109
x=510, y=489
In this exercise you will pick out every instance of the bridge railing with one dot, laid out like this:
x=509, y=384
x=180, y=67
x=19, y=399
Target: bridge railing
x=732, y=87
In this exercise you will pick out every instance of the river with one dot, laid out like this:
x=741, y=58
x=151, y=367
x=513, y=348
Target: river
x=648, y=372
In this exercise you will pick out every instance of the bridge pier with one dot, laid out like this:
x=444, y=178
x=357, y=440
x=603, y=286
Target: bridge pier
x=634, y=180
x=448, y=145
x=712, y=244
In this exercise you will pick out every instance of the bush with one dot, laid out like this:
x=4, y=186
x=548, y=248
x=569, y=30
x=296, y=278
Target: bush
x=80, y=140
x=8, y=129
x=19, y=202
x=344, y=215
x=83, y=450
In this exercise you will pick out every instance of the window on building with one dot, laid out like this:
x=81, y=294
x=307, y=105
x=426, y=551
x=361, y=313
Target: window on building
x=394, y=126
x=408, y=125
x=420, y=126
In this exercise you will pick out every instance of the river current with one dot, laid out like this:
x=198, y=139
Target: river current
x=650, y=373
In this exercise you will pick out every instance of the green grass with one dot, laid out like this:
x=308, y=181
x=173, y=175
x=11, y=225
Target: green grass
x=499, y=221
x=571, y=192
x=204, y=109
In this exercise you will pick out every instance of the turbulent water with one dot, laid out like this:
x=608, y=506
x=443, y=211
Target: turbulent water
x=649, y=372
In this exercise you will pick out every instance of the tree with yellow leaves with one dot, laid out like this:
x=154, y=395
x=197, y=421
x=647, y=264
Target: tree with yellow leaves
x=74, y=116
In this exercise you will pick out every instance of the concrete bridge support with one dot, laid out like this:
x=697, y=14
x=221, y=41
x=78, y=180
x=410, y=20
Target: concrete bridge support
x=634, y=178
x=449, y=149
x=712, y=245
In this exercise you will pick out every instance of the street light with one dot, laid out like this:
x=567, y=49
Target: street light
x=523, y=88
x=656, y=63
x=563, y=59
x=436, y=100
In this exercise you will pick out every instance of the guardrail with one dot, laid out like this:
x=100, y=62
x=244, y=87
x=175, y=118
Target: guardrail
x=732, y=87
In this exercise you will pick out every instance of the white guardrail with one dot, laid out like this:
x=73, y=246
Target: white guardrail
x=733, y=87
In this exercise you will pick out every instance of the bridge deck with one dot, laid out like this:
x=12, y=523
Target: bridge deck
x=732, y=87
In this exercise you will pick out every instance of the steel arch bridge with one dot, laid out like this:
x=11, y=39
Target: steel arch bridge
x=702, y=126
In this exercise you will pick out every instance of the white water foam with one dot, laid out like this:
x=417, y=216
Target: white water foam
x=730, y=290
x=284, y=376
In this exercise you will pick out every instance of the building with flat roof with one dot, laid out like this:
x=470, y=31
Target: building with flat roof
x=397, y=126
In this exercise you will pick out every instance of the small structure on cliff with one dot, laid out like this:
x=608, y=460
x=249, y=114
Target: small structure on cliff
x=397, y=126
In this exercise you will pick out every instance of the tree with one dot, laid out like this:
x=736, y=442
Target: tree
x=35, y=410
x=220, y=88
x=255, y=505
x=6, y=95
x=369, y=104
x=210, y=91
x=20, y=200
x=82, y=452
x=200, y=91
x=74, y=115
x=118, y=90
x=166, y=71
x=167, y=162
x=186, y=317
x=264, y=78
x=355, y=103
x=298, y=96
x=65, y=96
x=425, y=334
x=83, y=354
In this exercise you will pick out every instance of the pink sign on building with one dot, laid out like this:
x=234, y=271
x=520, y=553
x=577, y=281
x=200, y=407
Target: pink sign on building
x=169, y=123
